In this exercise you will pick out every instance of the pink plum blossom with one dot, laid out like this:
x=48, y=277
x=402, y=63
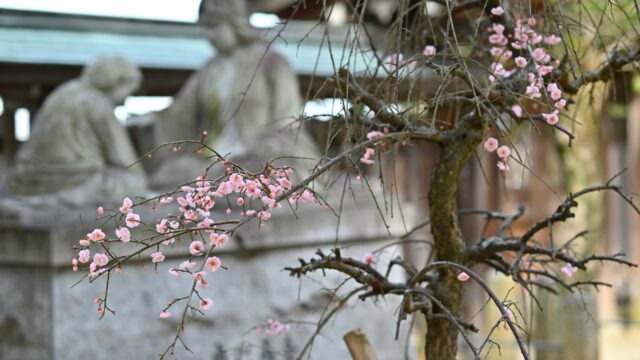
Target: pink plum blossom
x=368, y=154
x=252, y=189
x=100, y=259
x=537, y=38
x=126, y=206
x=517, y=109
x=236, y=181
x=196, y=248
x=560, y=104
x=206, y=223
x=84, y=256
x=531, y=77
x=498, y=69
x=463, y=276
x=190, y=216
x=285, y=183
x=497, y=11
x=174, y=272
x=225, y=188
x=187, y=264
x=161, y=226
x=491, y=144
x=205, y=304
x=429, y=50
x=504, y=152
x=264, y=215
x=123, y=234
x=541, y=56
x=165, y=315
x=166, y=200
x=275, y=190
x=275, y=327
x=157, y=257
x=569, y=270
x=533, y=91
x=496, y=51
x=183, y=202
x=498, y=39
x=306, y=197
x=100, y=210
x=551, y=118
x=503, y=166
x=199, y=275
x=374, y=134
x=552, y=39
x=369, y=259
x=554, y=91
x=219, y=240
x=212, y=264
x=521, y=62
x=132, y=220
x=544, y=69
x=96, y=235
x=394, y=60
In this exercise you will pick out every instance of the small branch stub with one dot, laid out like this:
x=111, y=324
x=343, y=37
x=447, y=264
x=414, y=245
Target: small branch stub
x=359, y=345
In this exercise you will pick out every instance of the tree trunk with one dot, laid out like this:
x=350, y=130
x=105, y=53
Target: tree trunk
x=442, y=334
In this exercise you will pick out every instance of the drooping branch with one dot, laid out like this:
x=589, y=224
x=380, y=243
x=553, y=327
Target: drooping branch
x=604, y=72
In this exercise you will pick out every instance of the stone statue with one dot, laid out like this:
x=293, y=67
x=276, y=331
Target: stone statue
x=246, y=97
x=79, y=155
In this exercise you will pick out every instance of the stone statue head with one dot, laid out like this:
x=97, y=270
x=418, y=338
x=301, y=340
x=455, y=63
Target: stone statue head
x=226, y=24
x=116, y=77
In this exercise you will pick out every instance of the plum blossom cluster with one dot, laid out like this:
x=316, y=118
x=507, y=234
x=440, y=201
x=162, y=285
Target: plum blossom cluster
x=396, y=60
x=531, y=62
x=273, y=327
x=503, y=152
x=369, y=153
x=188, y=219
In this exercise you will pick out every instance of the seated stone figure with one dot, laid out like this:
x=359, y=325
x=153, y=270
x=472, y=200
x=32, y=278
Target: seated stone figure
x=245, y=97
x=78, y=155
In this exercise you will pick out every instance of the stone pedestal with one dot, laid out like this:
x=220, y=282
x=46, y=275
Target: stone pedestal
x=42, y=316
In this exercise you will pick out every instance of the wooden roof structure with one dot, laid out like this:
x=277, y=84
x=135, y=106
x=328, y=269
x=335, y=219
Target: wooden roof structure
x=40, y=50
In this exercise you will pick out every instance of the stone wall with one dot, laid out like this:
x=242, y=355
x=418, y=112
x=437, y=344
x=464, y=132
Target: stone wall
x=43, y=317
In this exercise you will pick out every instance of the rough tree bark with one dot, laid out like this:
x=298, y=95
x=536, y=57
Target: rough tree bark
x=442, y=334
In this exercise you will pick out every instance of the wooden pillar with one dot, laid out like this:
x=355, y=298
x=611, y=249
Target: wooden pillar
x=633, y=183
